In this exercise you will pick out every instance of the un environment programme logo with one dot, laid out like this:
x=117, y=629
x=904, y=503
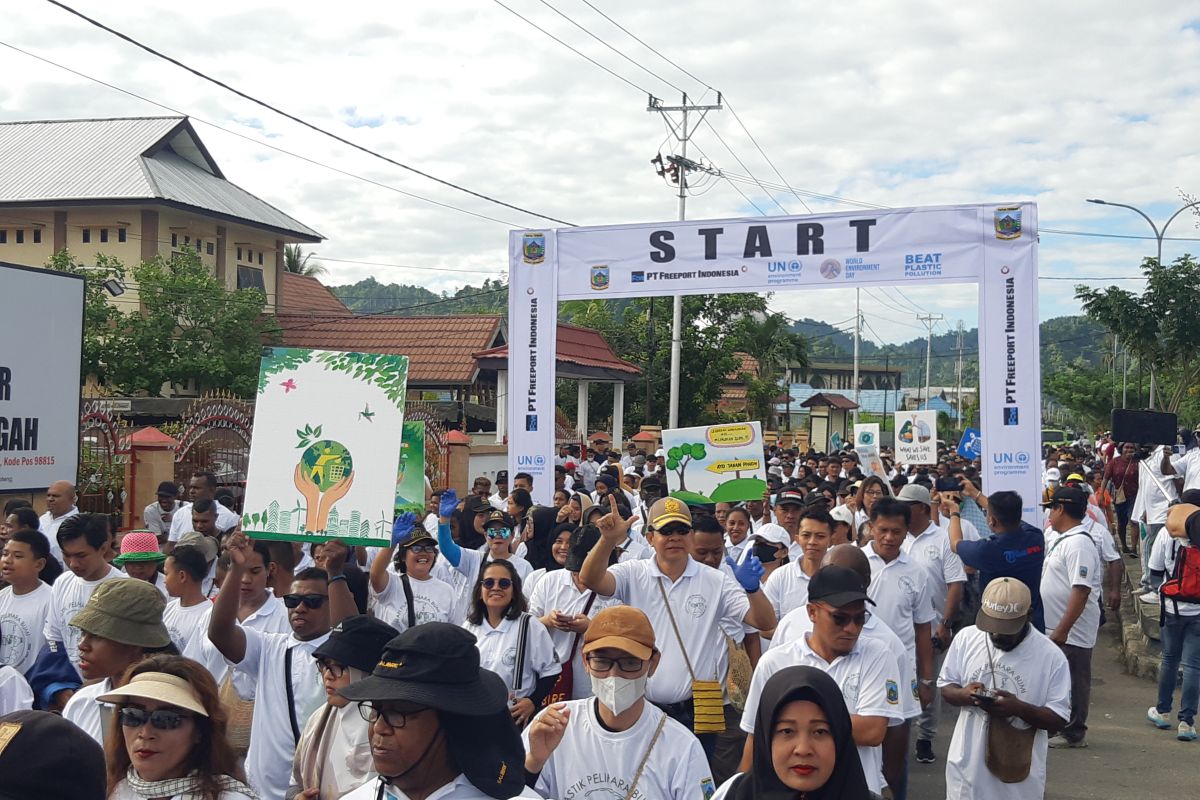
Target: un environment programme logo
x=1007, y=221
x=533, y=248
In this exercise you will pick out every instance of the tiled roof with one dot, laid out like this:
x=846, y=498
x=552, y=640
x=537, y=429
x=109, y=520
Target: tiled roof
x=127, y=159
x=303, y=294
x=747, y=364
x=440, y=350
x=577, y=345
x=832, y=399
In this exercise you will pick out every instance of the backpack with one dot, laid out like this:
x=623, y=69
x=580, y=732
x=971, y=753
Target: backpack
x=1184, y=584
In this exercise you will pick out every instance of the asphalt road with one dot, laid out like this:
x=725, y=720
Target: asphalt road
x=1126, y=756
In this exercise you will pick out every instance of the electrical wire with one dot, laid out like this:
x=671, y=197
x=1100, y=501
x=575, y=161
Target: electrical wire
x=721, y=139
x=298, y=120
x=766, y=158
x=644, y=44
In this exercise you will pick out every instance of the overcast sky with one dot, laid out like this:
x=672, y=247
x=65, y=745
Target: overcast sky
x=896, y=104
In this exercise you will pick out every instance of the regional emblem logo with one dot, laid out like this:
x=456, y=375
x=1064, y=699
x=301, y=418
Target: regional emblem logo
x=533, y=248
x=600, y=277
x=1008, y=222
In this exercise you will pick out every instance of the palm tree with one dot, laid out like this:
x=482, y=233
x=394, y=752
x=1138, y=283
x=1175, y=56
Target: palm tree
x=297, y=261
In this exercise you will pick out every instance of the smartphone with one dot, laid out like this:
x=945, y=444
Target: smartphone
x=984, y=697
x=949, y=484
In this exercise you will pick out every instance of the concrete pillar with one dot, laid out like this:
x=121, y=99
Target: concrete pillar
x=152, y=461
x=219, y=267
x=149, y=234
x=618, y=415
x=458, y=462
x=581, y=411
x=60, y=230
x=501, y=405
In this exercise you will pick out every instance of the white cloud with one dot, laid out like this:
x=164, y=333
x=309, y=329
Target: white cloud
x=891, y=103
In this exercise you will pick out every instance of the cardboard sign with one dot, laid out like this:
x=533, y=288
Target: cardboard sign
x=326, y=446
x=866, y=434
x=971, y=444
x=716, y=463
x=410, y=476
x=916, y=437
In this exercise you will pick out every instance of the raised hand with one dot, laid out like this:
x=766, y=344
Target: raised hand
x=614, y=529
x=238, y=544
x=402, y=528
x=748, y=573
x=545, y=734
x=448, y=503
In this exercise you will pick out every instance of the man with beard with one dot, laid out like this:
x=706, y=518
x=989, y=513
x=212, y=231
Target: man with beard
x=1012, y=685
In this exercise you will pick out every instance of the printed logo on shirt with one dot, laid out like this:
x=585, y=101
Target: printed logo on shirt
x=696, y=605
x=906, y=586
x=708, y=787
x=932, y=552
x=15, y=639
x=601, y=786
x=510, y=657
x=916, y=693
x=1083, y=572
x=850, y=689
x=893, y=692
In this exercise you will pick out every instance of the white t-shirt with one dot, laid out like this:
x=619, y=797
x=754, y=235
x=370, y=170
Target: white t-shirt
x=15, y=694
x=122, y=792
x=1071, y=560
x=472, y=560
x=594, y=762
x=181, y=521
x=460, y=582
x=498, y=652
x=70, y=595
x=1036, y=672
x=797, y=623
x=900, y=589
x=1155, y=491
x=23, y=625
x=869, y=677
x=458, y=789
x=1188, y=467
x=787, y=588
x=931, y=550
x=1163, y=554
x=705, y=603
x=185, y=623
x=557, y=592
x=49, y=525
x=272, y=745
x=433, y=600
x=85, y=711
x=157, y=520
x=270, y=617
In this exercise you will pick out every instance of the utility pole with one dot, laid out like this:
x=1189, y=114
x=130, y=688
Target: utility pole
x=930, y=320
x=678, y=172
x=857, y=336
x=958, y=375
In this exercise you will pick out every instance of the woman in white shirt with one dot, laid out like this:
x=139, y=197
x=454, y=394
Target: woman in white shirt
x=167, y=738
x=433, y=600
x=497, y=619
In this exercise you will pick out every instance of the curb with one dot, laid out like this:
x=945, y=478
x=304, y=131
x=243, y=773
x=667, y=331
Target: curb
x=1140, y=650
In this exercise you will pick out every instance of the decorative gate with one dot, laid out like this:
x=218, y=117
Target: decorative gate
x=437, y=454
x=103, y=456
x=214, y=436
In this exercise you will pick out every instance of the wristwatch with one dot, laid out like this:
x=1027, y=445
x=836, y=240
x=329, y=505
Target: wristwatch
x=927, y=681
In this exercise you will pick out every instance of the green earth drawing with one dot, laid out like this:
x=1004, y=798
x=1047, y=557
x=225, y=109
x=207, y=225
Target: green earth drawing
x=326, y=462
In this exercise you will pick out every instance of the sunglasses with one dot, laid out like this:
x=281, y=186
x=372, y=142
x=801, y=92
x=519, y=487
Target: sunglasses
x=674, y=530
x=422, y=548
x=313, y=601
x=843, y=619
x=492, y=583
x=163, y=719
x=498, y=533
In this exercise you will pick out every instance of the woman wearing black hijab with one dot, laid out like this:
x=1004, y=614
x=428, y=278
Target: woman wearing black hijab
x=803, y=744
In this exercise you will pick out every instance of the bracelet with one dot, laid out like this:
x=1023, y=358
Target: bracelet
x=337, y=578
x=955, y=514
x=927, y=681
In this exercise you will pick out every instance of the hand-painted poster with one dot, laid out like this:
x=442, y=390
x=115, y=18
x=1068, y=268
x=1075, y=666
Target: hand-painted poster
x=715, y=463
x=326, y=446
x=410, y=477
x=916, y=437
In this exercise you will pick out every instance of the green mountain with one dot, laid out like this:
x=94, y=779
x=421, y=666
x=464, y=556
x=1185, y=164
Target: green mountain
x=369, y=296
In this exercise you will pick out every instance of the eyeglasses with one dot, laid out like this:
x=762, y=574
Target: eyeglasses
x=395, y=718
x=625, y=663
x=313, y=601
x=842, y=619
x=162, y=719
x=425, y=547
x=492, y=583
x=334, y=670
x=674, y=530
x=498, y=533
x=873, y=493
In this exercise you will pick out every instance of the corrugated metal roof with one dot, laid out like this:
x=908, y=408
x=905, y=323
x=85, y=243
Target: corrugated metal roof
x=145, y=158
x=871, y=401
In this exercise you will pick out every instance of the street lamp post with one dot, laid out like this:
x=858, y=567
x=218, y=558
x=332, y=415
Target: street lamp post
x=1158, y=236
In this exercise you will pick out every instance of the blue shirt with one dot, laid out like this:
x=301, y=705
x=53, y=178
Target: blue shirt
x=1012, y=554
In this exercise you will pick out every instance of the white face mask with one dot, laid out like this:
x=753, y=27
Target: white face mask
x=618, y=694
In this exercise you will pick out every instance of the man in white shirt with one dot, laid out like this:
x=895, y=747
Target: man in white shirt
x=787, y=588
x=201, y=486
x=282, y=665
x=1186, y=466
x=439, y=725
x=929, y=546
x=157, y=516
x=616, y=743
x=499, y=498
x=60, y=506
x=689, y=605
x=1009, y=682
x=865, y=668
x=1070, y=592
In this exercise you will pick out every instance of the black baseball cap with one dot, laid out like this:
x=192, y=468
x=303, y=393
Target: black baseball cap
x=1067, y=495
x=499, y=516
x=502, y=476
x=789, y=497
x=45, y=756
x=357, y=642
x=167, y=489
x=837, y=586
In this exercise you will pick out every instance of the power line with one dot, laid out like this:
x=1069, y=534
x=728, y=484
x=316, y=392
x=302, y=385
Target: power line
x=644, y=44
x=299, y=120
x=767, y=158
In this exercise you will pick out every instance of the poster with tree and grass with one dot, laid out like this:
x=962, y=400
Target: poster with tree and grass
x=325, y=452
x=715, y=463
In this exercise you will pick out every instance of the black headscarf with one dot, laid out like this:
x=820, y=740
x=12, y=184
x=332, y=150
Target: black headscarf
x=537, y=549
x=802, y=683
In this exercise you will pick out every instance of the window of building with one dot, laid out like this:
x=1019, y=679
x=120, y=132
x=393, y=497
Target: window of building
x=250, y=256
x=104, y=235
x=87, y=235
x=20, y=236
x=239, y=258
x=121, y=234
x=187, y=240
x=209, y=248
x=37, y=235
x=260, y=260
x=250, y=278
x=174, y=240
x=3, y=236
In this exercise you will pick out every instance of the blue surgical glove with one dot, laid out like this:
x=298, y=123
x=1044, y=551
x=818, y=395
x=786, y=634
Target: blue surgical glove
x=748, y=573
x=402, y=528
x=448, y=504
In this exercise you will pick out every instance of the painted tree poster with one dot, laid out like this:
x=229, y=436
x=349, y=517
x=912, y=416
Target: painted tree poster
x=715, y=463
x=410, y=476
x=326, y=446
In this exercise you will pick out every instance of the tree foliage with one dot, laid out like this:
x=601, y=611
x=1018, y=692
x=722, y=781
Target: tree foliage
x=186, y=328
x=680, y=456
x=297, y=261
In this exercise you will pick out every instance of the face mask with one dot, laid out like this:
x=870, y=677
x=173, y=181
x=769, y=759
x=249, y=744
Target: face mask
x=765, y=552
x=618, y=694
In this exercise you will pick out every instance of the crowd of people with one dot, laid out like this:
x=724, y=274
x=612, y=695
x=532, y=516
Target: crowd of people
x=619, y=643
